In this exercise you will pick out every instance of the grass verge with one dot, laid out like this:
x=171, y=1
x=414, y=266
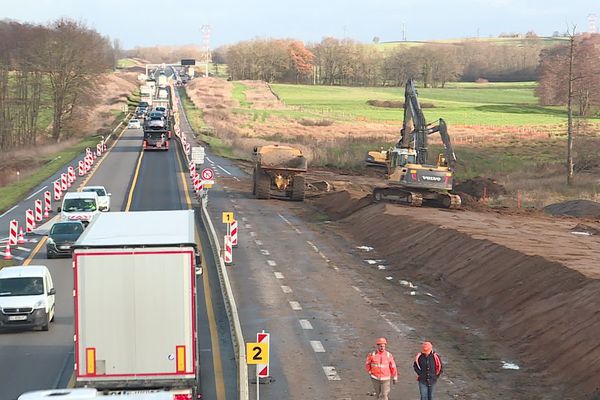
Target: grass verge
x=239, y=93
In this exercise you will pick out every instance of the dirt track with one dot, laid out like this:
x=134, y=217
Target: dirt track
x=528, y=279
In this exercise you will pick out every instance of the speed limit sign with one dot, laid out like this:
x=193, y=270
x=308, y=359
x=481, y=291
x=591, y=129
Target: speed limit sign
x=207, y=174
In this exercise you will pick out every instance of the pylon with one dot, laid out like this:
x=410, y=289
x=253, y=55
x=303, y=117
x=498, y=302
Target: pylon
x=7, y=255
x=21, y=237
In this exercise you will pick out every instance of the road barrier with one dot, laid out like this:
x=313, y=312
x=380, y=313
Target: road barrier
x=227, y=250
x=57, y=191
x=29, y=221
x=63, y=182
x=234, y=233
x=81, y=168
x=48, y=203
x=71, y=175
x=12, y=232
x=38, y=211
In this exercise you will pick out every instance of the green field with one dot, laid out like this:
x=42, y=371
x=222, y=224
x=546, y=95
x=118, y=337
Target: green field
x=517, y=42
x=125, y=63
x=491, y=104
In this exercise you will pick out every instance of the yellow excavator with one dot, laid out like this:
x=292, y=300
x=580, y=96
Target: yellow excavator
x=410, y=180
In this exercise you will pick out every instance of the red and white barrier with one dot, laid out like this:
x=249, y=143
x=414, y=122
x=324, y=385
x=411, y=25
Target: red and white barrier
x=29, y=221
x=47, y=203
x=227, y=250
x=12, y=232
x=7, y=255
x=192, y=167
x=103, y=145
x=81, y=168
x=57, y=191
x=21, y=239
x=38, y=211
x=71, y=176
x=63, y=182
x=98, y=150
x=188, y=149
x=234, y=233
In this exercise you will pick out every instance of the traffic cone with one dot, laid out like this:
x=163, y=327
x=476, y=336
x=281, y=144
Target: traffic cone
x=21, y=237
x=7, y=255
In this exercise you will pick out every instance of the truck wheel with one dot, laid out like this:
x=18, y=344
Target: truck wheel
x=263, y=185
x=298, y=188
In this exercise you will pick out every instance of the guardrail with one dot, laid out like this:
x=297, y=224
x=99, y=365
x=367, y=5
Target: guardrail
x=235, y=326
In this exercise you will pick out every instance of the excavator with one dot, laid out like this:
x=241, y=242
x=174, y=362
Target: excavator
x=410, y=180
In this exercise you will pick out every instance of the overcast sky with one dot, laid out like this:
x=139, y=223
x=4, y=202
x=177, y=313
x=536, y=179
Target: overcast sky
x=159, y=22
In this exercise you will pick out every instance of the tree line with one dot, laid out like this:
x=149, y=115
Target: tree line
x=347, y=62
x=47, y=74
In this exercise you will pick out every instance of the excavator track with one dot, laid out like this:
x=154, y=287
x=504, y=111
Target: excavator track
x=397, y=195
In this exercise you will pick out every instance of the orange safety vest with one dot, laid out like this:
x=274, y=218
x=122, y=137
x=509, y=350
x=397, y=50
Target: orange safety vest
x=381, y=365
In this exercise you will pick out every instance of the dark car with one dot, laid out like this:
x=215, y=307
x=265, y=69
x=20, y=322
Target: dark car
x=61, y=237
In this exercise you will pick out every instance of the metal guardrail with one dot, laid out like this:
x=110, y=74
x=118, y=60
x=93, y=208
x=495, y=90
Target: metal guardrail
x=235, y=326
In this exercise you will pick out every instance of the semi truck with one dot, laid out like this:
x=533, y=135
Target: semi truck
x=135, y=303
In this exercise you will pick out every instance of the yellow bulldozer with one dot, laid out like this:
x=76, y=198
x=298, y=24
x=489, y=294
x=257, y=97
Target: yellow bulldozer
x=278, y=172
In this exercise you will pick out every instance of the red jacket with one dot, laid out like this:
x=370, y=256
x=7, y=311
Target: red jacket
x=381, y=365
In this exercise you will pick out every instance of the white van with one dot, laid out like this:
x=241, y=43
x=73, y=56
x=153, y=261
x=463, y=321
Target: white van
x=27, y=297
x=79, y=206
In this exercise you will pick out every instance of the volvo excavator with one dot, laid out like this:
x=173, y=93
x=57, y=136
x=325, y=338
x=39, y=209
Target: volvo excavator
x=410, y=180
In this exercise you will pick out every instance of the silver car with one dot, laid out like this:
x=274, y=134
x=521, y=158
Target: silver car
x=103, y=196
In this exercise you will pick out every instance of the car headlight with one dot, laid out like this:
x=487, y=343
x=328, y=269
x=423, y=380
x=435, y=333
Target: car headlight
x=39, y=304
x=50, y=240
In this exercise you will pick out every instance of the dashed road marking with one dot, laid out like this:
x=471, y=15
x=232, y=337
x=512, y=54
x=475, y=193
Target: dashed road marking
x=298, y=231
x=244, y=219
x=271, y=263
x=317, y=346
x=247, y=226
x=295, y=306
x=278, y=275
x=253, y=234
x=336, y=269
x=265, y=252
x=286, y=289
x=224, y=170
x=258, y=242
x=311, y=244
x=233, y=201
x=24, y=249
x=9, y=210
x=357, y=289
x=210, y=161
x=285, y=219
x=331, y=374
x=305, y=324
x=323, y=256
x=236, y=178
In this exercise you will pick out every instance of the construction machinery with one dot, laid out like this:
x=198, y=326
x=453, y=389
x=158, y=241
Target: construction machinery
x=410, y=180
x=278, y=172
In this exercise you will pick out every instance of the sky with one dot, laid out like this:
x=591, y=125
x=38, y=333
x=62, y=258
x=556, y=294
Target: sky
x=159, y=22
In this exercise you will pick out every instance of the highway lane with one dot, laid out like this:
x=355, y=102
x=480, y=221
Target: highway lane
x=161, y=185
x=41, y=360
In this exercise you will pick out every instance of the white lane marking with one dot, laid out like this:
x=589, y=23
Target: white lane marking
x=36, y=193
x=271, y=263
x=233, y=201
x=331, y=374
x=278, y=275
x=247, y=226
x=285, y=219
x=298, y=231
x=367, y=300
x=224, y=170
x=236, y=178
x=253, y=234
x=24, y=249
x=323, y=256
x=305, y=324
x=407, y=328
x=9, y=210
x=244, y=219
x=357, y=289
x=336, y=268
x=209, y=160
x=317, y=346
x=265, y=252
x=295, y=306
x=286, y=289
x=311, y=244
x=258, y=242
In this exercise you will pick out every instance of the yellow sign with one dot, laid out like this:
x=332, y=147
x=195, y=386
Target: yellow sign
x=257, y=353
x=227, y=217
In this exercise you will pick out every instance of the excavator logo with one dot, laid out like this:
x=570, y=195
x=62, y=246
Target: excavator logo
x=431, y=178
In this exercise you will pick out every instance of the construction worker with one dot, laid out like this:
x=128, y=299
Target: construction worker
x=381, y=367
x=428, y=366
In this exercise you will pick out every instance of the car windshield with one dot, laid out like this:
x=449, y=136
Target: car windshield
x=99, y=191
x=74, y=205
x=66, y=229
x=134, y=121
x=29, y=286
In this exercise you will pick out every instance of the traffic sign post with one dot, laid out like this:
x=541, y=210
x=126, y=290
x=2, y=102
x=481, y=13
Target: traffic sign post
x=207, y=174
x=258, y=354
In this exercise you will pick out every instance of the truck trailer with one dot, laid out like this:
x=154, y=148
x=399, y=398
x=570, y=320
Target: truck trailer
x=135, y=303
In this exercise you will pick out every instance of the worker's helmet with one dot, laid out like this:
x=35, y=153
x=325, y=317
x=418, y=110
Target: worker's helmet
x=381, y=340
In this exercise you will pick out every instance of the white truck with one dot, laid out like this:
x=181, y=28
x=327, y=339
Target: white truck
x=146, y=94
x=135, y=303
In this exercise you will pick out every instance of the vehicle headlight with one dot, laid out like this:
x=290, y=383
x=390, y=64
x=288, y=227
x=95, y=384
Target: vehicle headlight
x=50, y=240
x=39, y=304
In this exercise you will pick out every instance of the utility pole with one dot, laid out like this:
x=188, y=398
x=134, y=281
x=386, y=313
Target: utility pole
x=570, y=110
x=206, y=47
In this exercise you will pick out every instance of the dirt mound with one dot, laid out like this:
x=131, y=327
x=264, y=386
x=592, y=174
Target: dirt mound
x=547, y=311
x=340, y=204
x=479, y=188
x=575, y=208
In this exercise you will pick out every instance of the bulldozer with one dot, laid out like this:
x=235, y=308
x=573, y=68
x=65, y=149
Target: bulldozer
x=278, y=172
x=410, y=180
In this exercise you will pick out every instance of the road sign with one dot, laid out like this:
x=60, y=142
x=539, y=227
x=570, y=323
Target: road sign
x=257, y=353
x=262, y=369
x=198, y=155
x=207, y=174
x=227, y=217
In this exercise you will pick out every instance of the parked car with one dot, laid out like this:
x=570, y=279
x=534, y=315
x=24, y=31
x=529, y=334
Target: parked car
x=61, y=237
x=134, y=124
x=103, y=196
x=27, y=297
